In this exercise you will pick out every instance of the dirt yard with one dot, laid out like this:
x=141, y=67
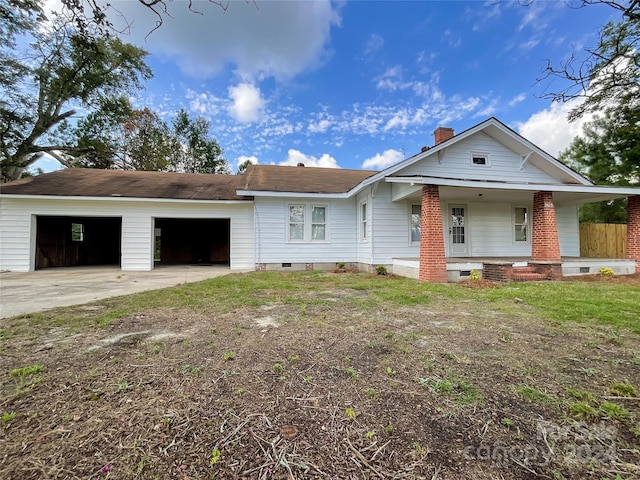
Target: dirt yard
x=318, y=376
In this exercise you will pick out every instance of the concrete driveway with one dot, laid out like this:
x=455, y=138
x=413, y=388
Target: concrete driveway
x=59, y=287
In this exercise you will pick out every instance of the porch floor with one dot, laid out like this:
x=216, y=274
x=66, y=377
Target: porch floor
x=458, y=268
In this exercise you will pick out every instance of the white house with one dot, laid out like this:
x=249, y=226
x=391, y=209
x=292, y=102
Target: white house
x=485, y=199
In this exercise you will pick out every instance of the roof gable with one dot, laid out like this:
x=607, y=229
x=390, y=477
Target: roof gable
x=495, y=162
x=529, y=154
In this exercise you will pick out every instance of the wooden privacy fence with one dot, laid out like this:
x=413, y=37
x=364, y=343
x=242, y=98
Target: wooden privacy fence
x=603, y=240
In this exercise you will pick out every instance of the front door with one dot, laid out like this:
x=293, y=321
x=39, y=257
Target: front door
x=458, y=232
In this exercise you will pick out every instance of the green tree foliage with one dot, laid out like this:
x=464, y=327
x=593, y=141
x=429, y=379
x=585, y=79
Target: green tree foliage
x=100, y=135
x=197, y=153
x=608, y=153
x=53, y=73
x=119, y=137
x=243, y=167
x=608, y=73
x=148, y=143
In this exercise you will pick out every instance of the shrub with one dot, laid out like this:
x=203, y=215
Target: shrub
x=606, y=271
x=381, y=270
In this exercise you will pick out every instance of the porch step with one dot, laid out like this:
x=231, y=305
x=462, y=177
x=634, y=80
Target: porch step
x=527, y=269
x=528, y=276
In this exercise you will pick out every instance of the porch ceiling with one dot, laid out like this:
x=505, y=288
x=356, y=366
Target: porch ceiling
x=511, y=196
x=512, y=193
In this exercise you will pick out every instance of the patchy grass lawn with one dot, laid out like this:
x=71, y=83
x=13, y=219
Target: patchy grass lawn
x=326, y=375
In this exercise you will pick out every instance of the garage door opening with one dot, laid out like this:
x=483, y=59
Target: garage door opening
x=192, y=241
x=77, y=241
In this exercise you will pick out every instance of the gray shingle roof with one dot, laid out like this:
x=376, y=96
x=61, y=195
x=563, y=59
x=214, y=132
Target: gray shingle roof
x=273, y=178
x=86, y=182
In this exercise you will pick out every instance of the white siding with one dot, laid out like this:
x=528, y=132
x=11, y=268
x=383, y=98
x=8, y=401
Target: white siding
x=491, y=230
x=273, y=246
x=17, y=226
x=15, y=237
x=568, y=231
x=364, y=247
x=456, y=163
x=137, y=242
x=391, y=238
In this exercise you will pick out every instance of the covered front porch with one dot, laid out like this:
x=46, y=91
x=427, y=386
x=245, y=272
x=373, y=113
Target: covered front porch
x=460, y=268
x=505, y=231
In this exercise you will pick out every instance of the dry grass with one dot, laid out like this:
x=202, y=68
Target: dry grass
x=319, y=376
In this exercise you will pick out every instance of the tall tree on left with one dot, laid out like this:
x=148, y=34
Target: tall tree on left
x=50, y=74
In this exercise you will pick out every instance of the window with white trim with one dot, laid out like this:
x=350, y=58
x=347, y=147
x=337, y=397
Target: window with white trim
x=521, y=224
x=296, y=222
x=307, y=223
x=363, y=221
x=416, y=222
x=318, y=223
x=480, y=159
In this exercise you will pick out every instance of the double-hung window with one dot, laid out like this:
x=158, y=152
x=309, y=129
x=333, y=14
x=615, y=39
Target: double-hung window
x=318, y=223
x=307, y=223
x=416, y=223
x=296, y=222
x=363, y=221
x=521, y=224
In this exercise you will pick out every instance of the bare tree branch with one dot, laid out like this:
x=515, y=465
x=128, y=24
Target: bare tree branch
x=602, y=74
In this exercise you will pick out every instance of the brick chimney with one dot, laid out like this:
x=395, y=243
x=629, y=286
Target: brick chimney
x=442, y=134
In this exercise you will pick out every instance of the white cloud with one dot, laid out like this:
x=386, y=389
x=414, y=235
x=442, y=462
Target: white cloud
x=320, y=126
x=375, y=43
x=521, y=97
x=529, y=44
x=488, y=110
x=384, y=159
x=391, y=79
x=243, y=158
x=399, y=120
x=247, y=103
x=550, y=130
x=534, y=17
x=258, y=39
x=454, y=40
x=203, y=103
x=295, y=157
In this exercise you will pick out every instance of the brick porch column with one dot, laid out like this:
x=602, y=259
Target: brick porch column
x=544, y=238
x=433, y=265
x=633, y=230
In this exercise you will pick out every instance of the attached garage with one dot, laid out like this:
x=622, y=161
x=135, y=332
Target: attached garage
x=192, y=241
x=137, y=220
x=77, y=241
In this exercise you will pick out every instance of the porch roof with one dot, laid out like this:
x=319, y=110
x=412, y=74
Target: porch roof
x=563, y=194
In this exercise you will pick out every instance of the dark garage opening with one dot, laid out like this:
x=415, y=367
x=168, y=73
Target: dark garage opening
x=77, y=241
x=192, y=241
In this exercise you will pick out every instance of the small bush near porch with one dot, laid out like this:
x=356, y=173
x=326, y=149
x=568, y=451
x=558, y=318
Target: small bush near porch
x=328, y=375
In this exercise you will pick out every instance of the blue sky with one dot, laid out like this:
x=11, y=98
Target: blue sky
x=358, y=84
